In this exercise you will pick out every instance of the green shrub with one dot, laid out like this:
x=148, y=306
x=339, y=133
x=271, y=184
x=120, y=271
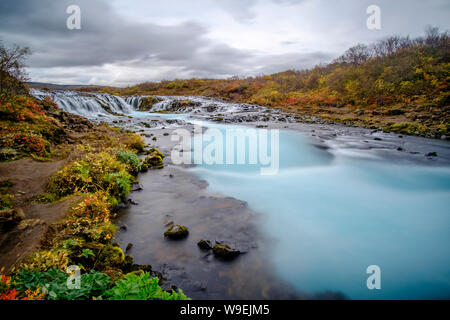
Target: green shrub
x=54, y=283
x=95, y=172
x=130, y=159
x=142, y=287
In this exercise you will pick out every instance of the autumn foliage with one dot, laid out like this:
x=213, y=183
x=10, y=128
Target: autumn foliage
x=395, y=80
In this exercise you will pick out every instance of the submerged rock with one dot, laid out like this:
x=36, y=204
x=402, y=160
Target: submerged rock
x=225, y=252
x=176, y=232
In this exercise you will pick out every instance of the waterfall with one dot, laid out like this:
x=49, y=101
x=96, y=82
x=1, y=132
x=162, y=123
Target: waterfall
x=89, y=105
x=94, y=105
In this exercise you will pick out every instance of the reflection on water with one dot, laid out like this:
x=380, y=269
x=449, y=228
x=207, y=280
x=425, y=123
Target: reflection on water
x=332, y=217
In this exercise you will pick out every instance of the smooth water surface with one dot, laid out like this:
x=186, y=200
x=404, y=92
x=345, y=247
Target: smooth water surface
x=330, y=216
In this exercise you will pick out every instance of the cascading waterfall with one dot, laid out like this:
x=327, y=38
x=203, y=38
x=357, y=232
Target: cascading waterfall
x=94, y=105
x=90, y=105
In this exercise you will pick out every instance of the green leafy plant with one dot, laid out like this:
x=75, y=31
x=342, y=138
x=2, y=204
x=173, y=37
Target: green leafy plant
x=130, y=159
x=142, y=287
x=54, y=284
x=87, y=253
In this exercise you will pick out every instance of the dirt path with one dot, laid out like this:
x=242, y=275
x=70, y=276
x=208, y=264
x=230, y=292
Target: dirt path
x=29, y=178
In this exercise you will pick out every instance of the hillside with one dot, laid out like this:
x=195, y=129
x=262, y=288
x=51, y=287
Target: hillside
x=396, y=84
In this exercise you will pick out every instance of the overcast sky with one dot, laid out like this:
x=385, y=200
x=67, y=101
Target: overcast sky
x=123, y=42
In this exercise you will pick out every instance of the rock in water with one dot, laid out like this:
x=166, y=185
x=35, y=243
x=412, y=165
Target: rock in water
x=176, y=232
x=131, y=201
x=154, y=160
x=225, y=252
x=129, y=246
x=204, y=245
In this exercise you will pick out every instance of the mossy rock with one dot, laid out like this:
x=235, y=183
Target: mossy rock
x=154, y=160
x=112, y=256
x=9, y=218
x=147, y=103
x=176, y=232
x=225, y=252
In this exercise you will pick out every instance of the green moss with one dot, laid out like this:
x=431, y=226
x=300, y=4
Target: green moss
x=111, y=256
x=147, y=103
x=176, y=232
x=92, y=173
x=154, y=160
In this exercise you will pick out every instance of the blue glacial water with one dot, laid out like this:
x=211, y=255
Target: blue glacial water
x=329, y=217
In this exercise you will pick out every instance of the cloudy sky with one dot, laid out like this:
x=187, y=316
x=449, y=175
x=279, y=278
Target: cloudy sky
x=122, y=42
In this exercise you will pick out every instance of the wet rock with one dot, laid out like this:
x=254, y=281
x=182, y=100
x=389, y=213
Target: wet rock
x=119, y=207
x=225, y=252
x=176, y=232
x=131, y=201
x=137, y=187
x=377, y=139
x=432, y=154
x=204, y=245
x=123, y=227
x=399, y=149
x=166, y=134
x=129, y=246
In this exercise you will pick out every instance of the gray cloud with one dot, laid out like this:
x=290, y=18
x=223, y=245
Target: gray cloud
x=104, y=37
x=115, y=48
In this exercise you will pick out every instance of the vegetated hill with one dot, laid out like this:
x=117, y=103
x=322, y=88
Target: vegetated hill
x=396, y=84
